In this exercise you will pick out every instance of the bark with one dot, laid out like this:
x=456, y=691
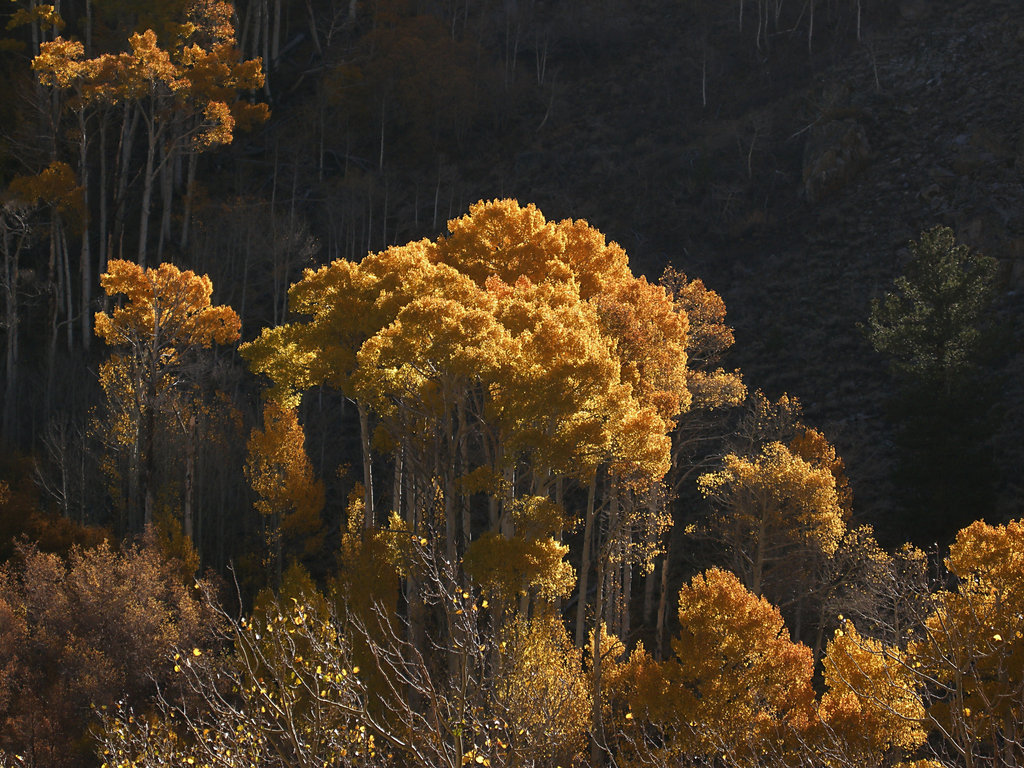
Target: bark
x=129, y=123
x=364, y=433
x=148, y=450
x=186, y=219
x=597, y=751
x=627, y=589
x=148, y=177
x=166, y=198
x=103, y=233
x=662, y=605
x=86, y=254
x=52, y=280
x=464, y=512
x=68, y=293
x=190, y=474
x=588, y=538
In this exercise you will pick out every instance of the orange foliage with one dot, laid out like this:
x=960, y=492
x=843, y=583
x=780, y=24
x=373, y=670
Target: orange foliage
x=93, y=629
x=281, y=475
x=165, y=309
x=738, y=687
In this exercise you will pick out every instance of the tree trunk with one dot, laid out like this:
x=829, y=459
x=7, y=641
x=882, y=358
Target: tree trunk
x=588, y=538
x=52, y=280
x=148, y=177
x=190, y=475
x=125, y=146
x=186, y=218
x=86, y=255
x=69, y=294
x=364, y=433
x=148, y=459
x=627, y=589
x=167, y=198
x=597, y=751
x=103, y=232
x=659, y=634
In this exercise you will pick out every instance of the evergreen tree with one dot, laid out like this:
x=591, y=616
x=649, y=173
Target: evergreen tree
x=932, y=326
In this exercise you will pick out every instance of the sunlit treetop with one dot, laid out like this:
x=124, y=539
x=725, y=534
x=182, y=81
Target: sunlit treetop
x=198, y=74
x=575, y=361
x=989, y=555
x=503, y=239
x=737, y=682
x=164, y=307
x=786, y=492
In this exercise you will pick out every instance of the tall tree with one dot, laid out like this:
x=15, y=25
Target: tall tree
x=164, y=319
x=934, y=328
x=503, y=362
x=184, y=96
x=289, y=497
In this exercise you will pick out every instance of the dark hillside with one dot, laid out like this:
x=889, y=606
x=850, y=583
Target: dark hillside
x=788, y=165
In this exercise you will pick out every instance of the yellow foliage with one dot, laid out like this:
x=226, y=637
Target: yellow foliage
x=973, y=643
x=507, y=567
x=780, y=495
x=871, y=704
x=812, y=446
x=543, y=687
x=739, y=683
x=164, y=308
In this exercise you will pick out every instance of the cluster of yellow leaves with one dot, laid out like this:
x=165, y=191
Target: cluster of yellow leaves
x=543, y=688
x=199, y=75
x=529, y=339
x=164, y=309
x=738, y=687
x=738, y=671
x=530, y=560
x=774, y=500
x=282, y=476
x=545, y=319
x=871, y=705
x=973, y=643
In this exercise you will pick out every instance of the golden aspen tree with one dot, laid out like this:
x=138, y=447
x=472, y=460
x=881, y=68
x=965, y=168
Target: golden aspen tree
x=770, y=505
x=289, y=497
x=186, y=94
x=871, y=712
x=164, y=318
x=969, y=655
x=511, y=358
x=738, y=688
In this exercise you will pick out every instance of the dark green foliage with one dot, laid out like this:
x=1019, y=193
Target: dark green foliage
x=931, y=326
x=933, y=329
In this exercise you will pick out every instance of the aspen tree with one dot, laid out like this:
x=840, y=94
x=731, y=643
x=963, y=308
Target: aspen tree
x=289, y=497
x=165, y=317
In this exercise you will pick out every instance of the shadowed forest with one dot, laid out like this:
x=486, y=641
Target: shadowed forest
x=462, y=382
